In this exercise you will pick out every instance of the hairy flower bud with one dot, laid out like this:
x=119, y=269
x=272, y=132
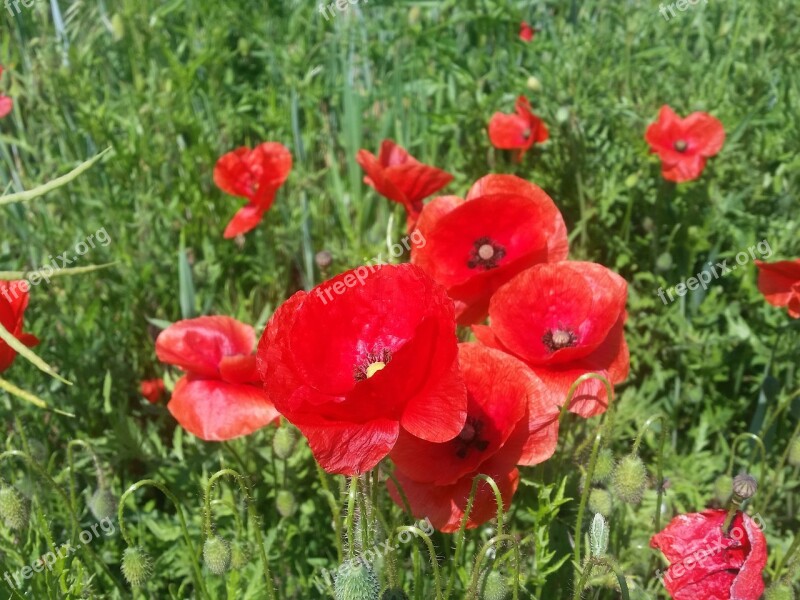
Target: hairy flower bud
x=217, y=554
x=286, y=503
x=630, y=479
x=103, y=504
x=13, y=508
x=794, y=453
x=604, y=466
x=239, y=555
x=284, y=441
x=355, y=580
x=496, y=587
x=600, y=502
x=136, y=566
x=779, y=591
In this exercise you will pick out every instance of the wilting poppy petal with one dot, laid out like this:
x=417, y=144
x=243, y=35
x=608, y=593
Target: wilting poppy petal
x=152, y=389
x=780, y=284
x=355, y=352
x=245, y=219
x=14, y=297
x=519, y=131
x=215, y=410
x=705, y=563
x=199, y=345
x=474, y=246
x=444, y=505
x=683, y=145
x=6, y=104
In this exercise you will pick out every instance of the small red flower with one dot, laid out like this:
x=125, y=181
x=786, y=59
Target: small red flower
x=152, y=389
x=519, y=131
x=474, y=246
x=683, y=145
x=705, y=563
x=13, y=302
x=526, y=32
x=564, y=319
x=220, y=397
x=362, y=356
x=253, y=174
x=780, y=284
x=6, y=103
x=400, y=177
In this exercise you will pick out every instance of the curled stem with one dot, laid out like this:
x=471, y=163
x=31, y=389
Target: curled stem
x=573, y=389
x=606, y=562
x=472, y=592
x=781, y=465
x=431, y=552
x=759, y=443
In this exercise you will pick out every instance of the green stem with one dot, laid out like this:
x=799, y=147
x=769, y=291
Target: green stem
x=431, y=553
x=660, y=469
x=350, y=518
x=786, y=558
x=334, y=506
x=198, y=576
x=472, y=592
x=760, y=445
x=780, y=467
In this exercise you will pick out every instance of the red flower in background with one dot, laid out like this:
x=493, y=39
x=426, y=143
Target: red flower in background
x=152, y=389
x=253, y=174
x=526, y=32
x=13, y=302
x=6, y=103
x=705, y=563
x=564, y=320
x=780, y=284
x=400, y=177
x=512, y=418
x=519, y=131
x=220, y=397
x=362, y=356
x=683, y=145
x=474, y=246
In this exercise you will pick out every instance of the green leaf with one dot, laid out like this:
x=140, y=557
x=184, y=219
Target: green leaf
x=28, y=397
x=14, y=275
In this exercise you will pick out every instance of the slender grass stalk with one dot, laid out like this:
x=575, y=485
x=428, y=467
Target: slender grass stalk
x=71, y=467
x=334, y=506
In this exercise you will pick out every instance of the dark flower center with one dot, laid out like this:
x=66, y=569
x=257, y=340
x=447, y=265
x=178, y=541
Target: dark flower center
x=527, y=133
x=470, y=437
x=374, y=362
x=556, y=339
x=680, y=145
x=485, y=254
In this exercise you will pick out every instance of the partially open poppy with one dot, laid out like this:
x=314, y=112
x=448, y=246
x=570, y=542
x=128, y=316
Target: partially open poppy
x=526, y=32
x=220, y=397
x=253, y=174
x=780, y=283
x=706, y=563
x=400, y=177
x=474, y=246
x=564, y=320
x=353, y=361
x=6, y=103
x=519, y=131
x=683, y=145
x=14, y=297
x=152, y=389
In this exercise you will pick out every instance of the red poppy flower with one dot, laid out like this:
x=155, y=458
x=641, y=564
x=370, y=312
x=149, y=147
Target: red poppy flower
x=400, y=177
x=519, y=131
x=474, y=246
x=683, y=145
x=13, y=302
x=361, y=356
x=564, y=319
x=705, y=563
x=526, y=32
x=6, y=103
x=253, y=174
x=152, y=389
x=220, y=397
x=780, y=284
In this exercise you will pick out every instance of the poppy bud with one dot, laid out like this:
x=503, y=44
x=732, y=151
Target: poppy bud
x=394, y=594
x=630, y=479
x=534, y=84
x=217, y=555
x=286, y=503
x=136, y=566
x=355, y=580
x=745, y=486
x=284, y=441
x=604, y=466
x=13, y=508
x=598, y=536
x=600, y=502
x=496, y=587
x=722, y=488
x=794, y=453
x=103, y=504
x=779, y=591
x=239, y=555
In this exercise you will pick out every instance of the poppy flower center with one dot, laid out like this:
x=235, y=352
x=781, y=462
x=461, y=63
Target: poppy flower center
x=556, y=339
x=470, y=438
x=526, y=134
x=680, y=145
x=485, y=254
x=374, y=362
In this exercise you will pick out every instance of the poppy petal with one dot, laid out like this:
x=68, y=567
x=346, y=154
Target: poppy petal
x=245, y=219
x=6, y=104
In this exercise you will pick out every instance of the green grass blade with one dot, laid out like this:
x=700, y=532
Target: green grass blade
x=28, y=354
x=14, y=275
x=28, y=397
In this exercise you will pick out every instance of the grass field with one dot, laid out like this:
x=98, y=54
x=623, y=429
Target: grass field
x=171, y=86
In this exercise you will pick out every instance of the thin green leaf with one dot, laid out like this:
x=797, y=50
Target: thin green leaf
x=13, y=275
x=28, y=397
x=28, y=355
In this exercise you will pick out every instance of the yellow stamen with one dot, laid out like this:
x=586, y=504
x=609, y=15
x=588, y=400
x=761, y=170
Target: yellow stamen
x=374, y=368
